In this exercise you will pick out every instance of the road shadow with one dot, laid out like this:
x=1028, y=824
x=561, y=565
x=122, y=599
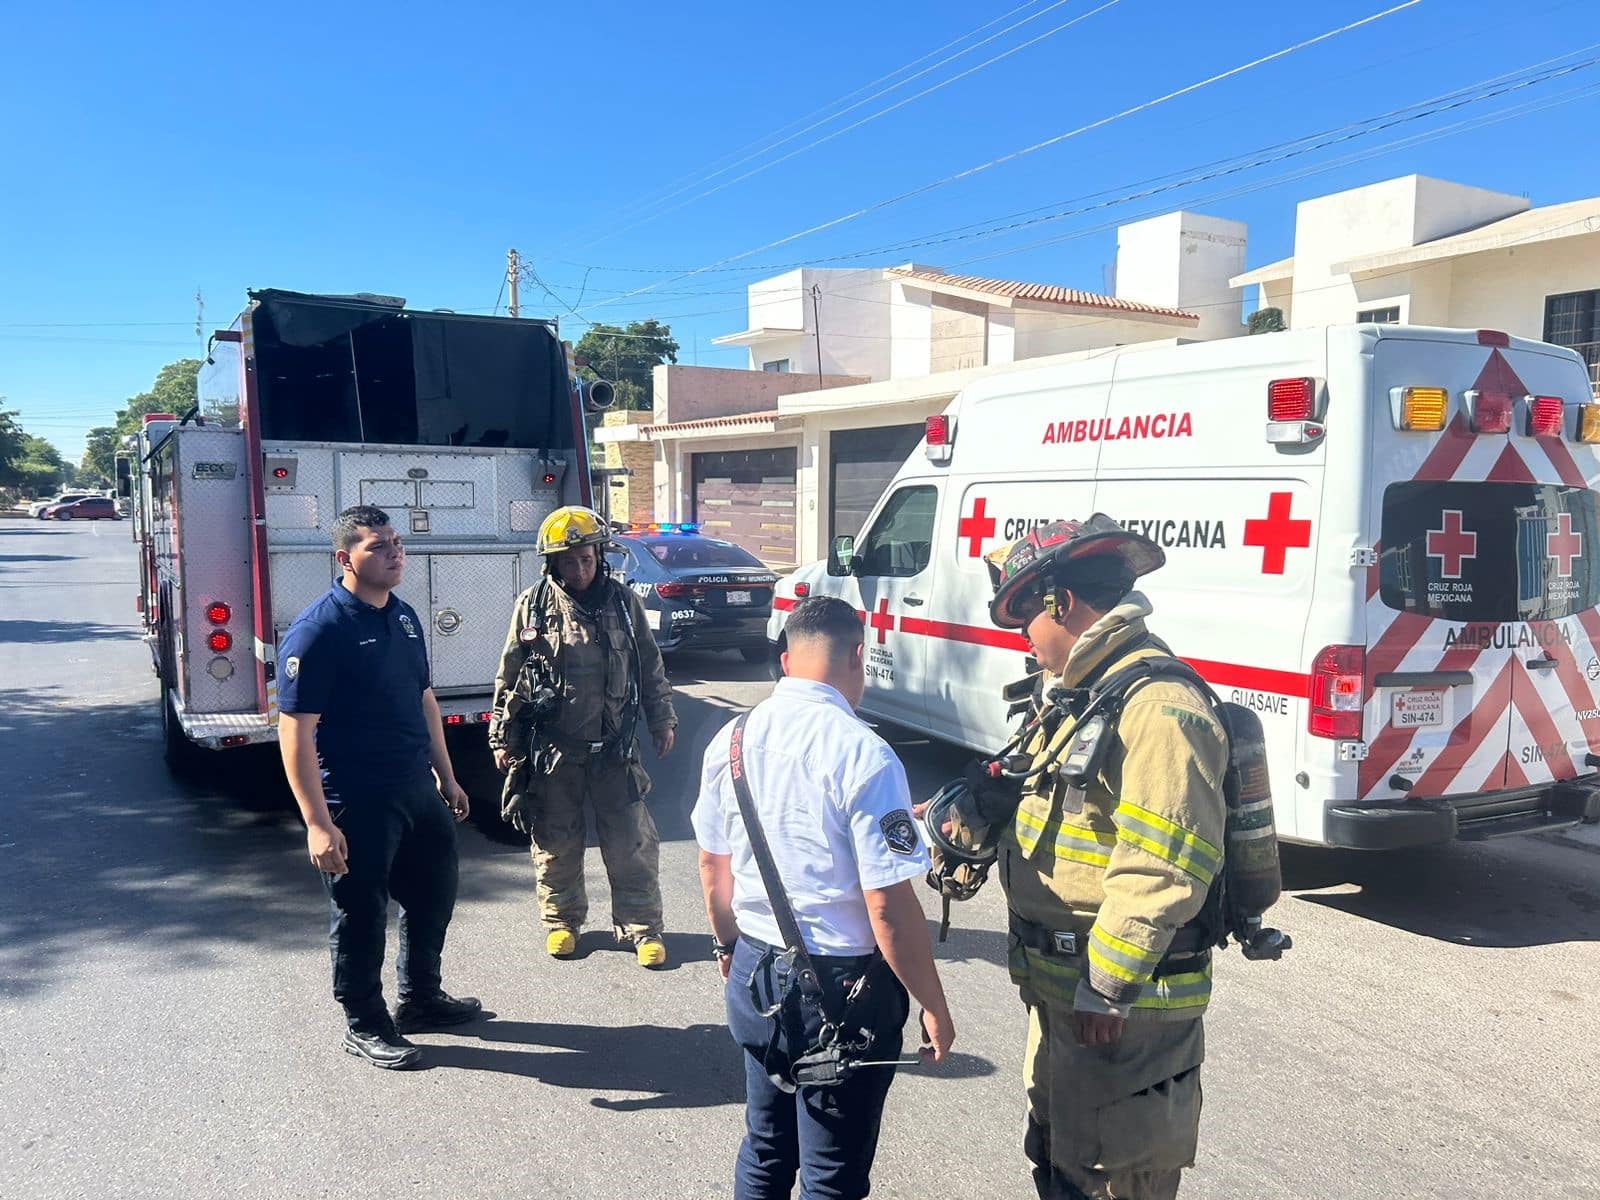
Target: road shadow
x=41, y=632
x=687, y=667
x=1529, y=891
x=676, y=1068
x=37, y=558
x=99, y=844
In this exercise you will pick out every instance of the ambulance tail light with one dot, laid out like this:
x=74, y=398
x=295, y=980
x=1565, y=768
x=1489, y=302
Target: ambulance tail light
x=1419, y=409
x=939, y=432
x=1338, y=692
x=1294, y=412
x=1589, y=422
x=802, y=590
x=1489, y=412
x=1546, y=416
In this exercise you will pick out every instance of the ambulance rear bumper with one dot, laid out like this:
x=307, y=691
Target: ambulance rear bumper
x=1498, y=814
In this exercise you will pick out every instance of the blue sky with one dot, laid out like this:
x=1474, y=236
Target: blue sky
x=150, y=150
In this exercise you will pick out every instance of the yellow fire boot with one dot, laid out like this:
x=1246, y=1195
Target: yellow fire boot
x=561, y=943
x=652, y=951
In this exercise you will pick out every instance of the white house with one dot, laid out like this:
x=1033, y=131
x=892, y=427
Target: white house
x=1423, y=251
x=846, y=365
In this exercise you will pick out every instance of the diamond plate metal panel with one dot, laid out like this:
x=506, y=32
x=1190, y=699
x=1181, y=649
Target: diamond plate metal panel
x=292, y=512
x=413, y=590
x=315, y=490
x=444, y=493
x=298, y=578
x=473, y=595
x=528, y=515
x=208, y=729
x=388, y=493
x=363, y=470
x=213, y=565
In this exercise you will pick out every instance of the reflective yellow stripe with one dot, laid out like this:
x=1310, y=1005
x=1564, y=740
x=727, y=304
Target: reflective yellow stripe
x=1172, y=843
x=1071, y=842
x=1114, y=968
x=1192, y=989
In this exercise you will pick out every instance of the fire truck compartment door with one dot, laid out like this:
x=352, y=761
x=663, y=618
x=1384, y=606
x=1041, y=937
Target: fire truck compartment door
x=459, y=489
x=469, y=607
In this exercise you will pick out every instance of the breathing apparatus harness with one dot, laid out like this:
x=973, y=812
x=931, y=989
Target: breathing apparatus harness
x=546, y=689
x=1250, y=880
x=845, y=1037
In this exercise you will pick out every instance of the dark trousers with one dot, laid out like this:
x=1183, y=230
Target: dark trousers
x=402, y=844
x=826, y=1136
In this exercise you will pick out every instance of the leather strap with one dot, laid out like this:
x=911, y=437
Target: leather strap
x=805, y=970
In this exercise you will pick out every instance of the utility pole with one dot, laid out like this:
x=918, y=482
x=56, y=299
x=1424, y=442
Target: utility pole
x=199, y=314
x=816, y=325
x=513, y=269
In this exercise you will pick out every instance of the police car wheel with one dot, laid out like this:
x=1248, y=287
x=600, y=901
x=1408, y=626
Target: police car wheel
x=754, y=654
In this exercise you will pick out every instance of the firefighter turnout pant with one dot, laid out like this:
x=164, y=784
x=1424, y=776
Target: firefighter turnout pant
x=1116, y=1122
x=629, y=847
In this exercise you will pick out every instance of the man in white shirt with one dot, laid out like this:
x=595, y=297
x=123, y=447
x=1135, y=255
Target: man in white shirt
x=833, y=802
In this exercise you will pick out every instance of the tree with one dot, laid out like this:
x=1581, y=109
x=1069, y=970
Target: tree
x=29, y=464
x=11, y=436
x=1267, y=320
x=100, y=457
x=626, y=356
x=176, y=390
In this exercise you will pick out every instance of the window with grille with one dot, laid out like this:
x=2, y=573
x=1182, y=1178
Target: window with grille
x=1379, y=316
x=776, y=367
x=1573, y=319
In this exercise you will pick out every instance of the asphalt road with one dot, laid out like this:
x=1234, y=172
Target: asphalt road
x=166, y=1028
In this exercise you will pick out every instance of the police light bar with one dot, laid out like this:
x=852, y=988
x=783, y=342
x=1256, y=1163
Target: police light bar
x=1489, y=412
x=1546, y=416
x=939, y=435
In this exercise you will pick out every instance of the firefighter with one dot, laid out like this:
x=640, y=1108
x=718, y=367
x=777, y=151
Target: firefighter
x=1104, y=873
x=578, y=672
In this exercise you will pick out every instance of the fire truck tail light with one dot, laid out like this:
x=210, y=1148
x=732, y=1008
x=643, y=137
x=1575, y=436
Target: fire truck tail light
x=1546, y=416
x=280, y=472
x=1589, y=422
x=220, y=641
x=1291, y=399
x=1422, y=408
x=1338, y=692
x=218, y=613
x=1489, y=412
x=453, y=719
x=485, y=717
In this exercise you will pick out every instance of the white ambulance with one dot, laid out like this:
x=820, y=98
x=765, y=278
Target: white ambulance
x=1380, y=538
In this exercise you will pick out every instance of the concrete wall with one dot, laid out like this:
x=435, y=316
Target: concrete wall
x=1040, y=333
x=700, y=393
x=1369, y=220
x=1506, y=289
x=1184, y=260
x=852, y=308
x=630, y=498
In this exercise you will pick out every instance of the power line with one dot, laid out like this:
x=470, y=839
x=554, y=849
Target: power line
x=883, y=112
x=764, y=143
x=1026, y=150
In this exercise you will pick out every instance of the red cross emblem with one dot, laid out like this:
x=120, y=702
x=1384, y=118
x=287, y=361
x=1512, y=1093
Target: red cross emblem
x=976, y=527
x=1452, y=545
x=882, y=621
x=1277, y=534
x=1563, y=545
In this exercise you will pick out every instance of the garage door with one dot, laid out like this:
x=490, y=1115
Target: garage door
x=747, y=497
x=863, y=462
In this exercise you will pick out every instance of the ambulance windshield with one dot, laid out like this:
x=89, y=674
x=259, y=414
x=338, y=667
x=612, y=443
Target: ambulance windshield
x=1492, y=552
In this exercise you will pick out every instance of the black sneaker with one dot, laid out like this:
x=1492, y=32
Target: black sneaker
x=436, y=1012
x=382, y=1048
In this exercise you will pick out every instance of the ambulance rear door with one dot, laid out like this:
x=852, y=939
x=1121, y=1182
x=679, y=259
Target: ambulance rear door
x=1481, y=624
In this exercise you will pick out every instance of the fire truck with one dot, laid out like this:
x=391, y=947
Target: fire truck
x=466, y=430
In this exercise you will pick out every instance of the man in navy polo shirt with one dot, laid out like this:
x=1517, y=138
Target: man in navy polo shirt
x=360, y=729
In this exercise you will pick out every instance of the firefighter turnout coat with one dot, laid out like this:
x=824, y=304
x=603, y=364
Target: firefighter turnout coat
x=1125, y=862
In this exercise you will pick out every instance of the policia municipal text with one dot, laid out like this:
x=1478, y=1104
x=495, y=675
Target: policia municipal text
x=578, y=670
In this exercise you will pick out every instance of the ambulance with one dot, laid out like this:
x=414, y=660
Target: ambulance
x=1382, y=539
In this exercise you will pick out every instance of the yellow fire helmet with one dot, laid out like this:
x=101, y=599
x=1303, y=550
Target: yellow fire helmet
x=570, y=527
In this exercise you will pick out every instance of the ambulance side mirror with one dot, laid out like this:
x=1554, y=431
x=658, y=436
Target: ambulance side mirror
x=842, y=557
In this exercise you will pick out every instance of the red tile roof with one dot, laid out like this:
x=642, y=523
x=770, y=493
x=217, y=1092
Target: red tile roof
x=755, y=418
x=1043, y=293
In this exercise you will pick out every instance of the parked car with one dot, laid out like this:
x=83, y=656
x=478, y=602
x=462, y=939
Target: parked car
x=698, y=591
x=90, y=508
x=37, y=508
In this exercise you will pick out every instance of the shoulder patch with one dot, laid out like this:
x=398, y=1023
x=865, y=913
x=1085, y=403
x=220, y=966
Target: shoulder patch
x=291, y=667
x=1187, y=718
x=900, y=832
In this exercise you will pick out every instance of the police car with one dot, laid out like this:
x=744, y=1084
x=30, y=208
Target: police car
x=698, y=592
